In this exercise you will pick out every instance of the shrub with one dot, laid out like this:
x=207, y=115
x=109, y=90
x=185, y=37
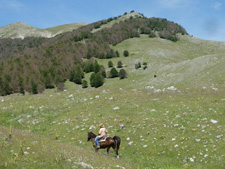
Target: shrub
x=84, y=84
x=119, y=64
x=113, y=73
x=110, y=63
x=145, y=65
x=117, y=54
x=138, y=65
x=122, y=74
x=125, y=53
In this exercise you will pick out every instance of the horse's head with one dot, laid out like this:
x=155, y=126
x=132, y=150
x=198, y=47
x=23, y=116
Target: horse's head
x=90, y=135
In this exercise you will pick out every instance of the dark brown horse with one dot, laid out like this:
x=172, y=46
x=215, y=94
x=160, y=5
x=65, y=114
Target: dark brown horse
x=108, y=143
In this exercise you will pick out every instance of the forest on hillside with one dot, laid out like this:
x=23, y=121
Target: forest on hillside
x=34, y=64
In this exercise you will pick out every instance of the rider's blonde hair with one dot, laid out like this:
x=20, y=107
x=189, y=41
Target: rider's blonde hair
x=101, y=125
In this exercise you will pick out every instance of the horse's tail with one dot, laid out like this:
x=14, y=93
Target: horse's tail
x=117, y=142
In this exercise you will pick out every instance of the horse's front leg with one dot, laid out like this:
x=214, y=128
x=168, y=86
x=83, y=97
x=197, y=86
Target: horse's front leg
x=108, y=150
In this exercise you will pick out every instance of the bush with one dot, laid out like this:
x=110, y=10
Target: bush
x=122, y=74
x=145, y=65
x=110, y=63
x=117, y=54
x=138, y=65
x=119, y=64
x=113, y=73
x=125, y=53
x=84, y=84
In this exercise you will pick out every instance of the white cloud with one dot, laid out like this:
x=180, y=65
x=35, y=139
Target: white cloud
x=217, y=5
x=11, y=5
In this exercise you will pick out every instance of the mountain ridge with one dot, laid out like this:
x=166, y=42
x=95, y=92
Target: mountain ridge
x=22, y=30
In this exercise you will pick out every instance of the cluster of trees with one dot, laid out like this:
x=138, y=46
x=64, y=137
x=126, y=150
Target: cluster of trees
x=138, y=65
x=91, y=65
x=122, y=74
x=119, y=64
x=34, y=64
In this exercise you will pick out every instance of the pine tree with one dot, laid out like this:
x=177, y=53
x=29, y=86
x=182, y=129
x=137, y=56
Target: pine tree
x=99, y=80
x=92, y=80
x=96, y=67
x=96, y=80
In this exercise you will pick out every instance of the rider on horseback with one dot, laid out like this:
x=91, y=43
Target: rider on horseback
x=101, y=134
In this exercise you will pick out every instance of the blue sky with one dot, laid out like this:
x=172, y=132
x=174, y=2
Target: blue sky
x=204, y=19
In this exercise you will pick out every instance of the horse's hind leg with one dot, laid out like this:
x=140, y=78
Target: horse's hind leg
x=116, y=152
x=108, y=150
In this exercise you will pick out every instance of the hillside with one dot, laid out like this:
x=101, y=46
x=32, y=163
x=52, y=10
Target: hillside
x=22, y=30
x=40, y=63
x=64, y=28
x=189, y=62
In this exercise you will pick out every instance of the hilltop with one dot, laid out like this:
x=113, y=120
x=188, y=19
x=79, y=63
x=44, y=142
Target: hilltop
x=22, y=30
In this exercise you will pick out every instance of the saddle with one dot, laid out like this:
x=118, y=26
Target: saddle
x=103, y=139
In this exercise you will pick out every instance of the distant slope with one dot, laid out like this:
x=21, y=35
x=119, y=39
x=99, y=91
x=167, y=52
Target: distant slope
x=65, y=28
x=190, y=62
x=22, y=30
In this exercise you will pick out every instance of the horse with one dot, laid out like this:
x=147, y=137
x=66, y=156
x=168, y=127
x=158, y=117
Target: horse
x=108, y=143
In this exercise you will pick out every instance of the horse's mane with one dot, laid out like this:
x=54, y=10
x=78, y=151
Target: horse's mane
x=92, y=135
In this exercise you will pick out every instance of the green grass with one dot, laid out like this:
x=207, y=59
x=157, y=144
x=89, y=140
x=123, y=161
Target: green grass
x=168, y=129
x=65, y=28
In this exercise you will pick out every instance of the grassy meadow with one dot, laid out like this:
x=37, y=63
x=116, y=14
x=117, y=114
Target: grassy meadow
x=175, y=120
